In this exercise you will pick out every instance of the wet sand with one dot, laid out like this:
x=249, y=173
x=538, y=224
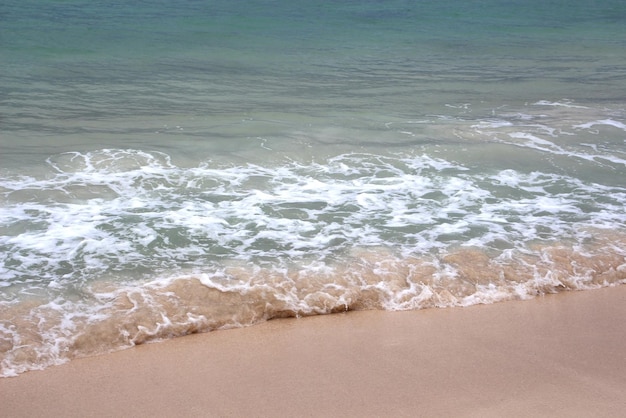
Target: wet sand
x=559, y=355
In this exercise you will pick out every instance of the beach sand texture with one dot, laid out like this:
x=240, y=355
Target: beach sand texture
x=559, y=355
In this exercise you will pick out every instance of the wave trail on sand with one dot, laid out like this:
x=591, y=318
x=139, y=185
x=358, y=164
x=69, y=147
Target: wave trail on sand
x=35, y=333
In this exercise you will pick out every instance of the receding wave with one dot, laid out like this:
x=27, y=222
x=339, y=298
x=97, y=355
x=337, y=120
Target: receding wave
x=110, y=317
x=114, y=248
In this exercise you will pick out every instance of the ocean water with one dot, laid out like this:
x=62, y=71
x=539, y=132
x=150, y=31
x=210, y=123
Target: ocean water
x=177, y=167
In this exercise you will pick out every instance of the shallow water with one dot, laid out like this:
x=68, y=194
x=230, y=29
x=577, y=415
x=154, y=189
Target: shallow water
x=175, y=169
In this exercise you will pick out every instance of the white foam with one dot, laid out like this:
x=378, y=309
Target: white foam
x=533, y=141
x=567, y=104
x=607, y=122
x=313, y=238
x=249, y=213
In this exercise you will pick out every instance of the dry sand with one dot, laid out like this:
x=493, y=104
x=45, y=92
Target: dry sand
x=562, y=355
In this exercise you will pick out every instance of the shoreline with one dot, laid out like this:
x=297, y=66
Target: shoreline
x=555, y=355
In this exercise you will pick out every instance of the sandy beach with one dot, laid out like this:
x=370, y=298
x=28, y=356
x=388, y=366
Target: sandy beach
x=559, y=355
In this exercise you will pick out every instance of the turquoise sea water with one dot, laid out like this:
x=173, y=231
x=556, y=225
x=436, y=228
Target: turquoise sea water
x=177, y=167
